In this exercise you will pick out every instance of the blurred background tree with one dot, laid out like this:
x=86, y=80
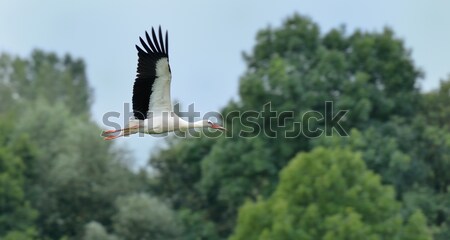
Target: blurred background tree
x=140, y=216
x=58, y=175
x=17, y=214
x=297, y=68
x=48, y=77
x=96, y=231
x=328, y=194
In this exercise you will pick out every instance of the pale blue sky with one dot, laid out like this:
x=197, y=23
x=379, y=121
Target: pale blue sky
x=206, y=40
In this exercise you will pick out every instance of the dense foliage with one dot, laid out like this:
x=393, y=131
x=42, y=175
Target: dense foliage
x=388, y=179
x=59, y=179
x=328, y=194
x=296, y=69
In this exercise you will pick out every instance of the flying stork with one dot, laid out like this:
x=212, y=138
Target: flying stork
x=152, y=106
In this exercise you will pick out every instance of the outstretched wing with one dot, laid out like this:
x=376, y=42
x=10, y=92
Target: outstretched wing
x=151, y=90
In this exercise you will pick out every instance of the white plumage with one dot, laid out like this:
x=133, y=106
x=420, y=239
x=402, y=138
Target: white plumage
x=160, y=100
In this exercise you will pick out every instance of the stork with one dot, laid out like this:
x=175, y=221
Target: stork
x=152, y=106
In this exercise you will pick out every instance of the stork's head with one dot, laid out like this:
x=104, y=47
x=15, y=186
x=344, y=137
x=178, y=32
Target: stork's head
x=215, y=125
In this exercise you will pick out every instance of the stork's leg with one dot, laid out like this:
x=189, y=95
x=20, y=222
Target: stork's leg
x=109, y=134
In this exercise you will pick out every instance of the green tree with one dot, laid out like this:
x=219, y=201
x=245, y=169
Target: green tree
x=140, y=216
x=29, y=234
x=435, y=105
x=292, y=68
x=96, y=231
x=71, y=176
x=78, y=175
x=412, y=157
x=45, y=76
x=16, y=214
x=182, y=190
x=328, y=194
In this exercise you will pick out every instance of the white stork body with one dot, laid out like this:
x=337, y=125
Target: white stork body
x=152, y=106
x=162, y=124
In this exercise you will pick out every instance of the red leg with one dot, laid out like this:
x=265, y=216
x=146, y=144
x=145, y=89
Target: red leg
x=108, y=133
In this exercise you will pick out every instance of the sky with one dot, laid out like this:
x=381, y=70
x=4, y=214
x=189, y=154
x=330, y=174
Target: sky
x=206, y=38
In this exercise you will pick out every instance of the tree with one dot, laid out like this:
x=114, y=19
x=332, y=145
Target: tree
x=66, y=171
x=29, y=234
x=293, y=68
x=411, y=157
x=328, y=194
x=17, y=216
x=181, y=156
x=78, y=176
x=435, y=105
x=96, y=231
x=45, y=76
x=140, y=216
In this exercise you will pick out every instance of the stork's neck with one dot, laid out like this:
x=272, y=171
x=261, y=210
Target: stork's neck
x=198, y=124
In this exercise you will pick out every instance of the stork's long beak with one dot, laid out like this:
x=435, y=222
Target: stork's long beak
x=217, y=126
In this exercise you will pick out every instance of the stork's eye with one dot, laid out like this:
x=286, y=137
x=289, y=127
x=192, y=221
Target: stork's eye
x=209, y=122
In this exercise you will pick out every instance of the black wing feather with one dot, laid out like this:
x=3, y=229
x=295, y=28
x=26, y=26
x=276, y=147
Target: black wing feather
x=155, y=40
x=146, y=72
x=150, y=42
x=144, y=45
x=161, y=40
x=167, y=42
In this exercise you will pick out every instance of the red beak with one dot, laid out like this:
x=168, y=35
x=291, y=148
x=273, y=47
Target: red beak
x=217, y=126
